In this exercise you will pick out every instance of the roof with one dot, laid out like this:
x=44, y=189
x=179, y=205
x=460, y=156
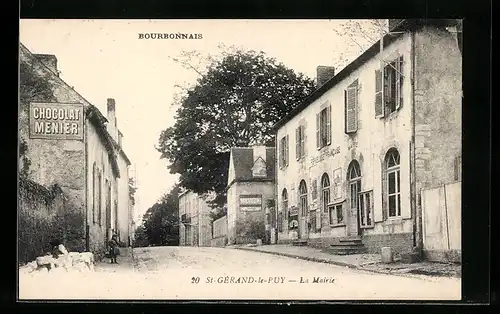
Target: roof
x=91, y=111
x=120, y=150
x=397, y=32
x=243, y=161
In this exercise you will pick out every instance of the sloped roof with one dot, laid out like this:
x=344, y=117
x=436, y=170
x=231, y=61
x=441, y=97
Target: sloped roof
x=243, y=161
x=396, y=32
x=92, y=112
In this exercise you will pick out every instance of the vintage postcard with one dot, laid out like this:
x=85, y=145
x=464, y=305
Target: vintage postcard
x=240, y=159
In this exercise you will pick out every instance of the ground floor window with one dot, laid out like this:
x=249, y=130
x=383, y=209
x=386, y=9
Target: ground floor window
x=336, y=214
x=366, y=209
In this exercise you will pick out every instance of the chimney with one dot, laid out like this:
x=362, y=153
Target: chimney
x=49, y=61
x=111, y=118
x=120, y=138
x=323, y=74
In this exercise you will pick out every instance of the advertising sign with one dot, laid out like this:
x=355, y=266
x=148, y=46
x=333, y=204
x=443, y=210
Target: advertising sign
x=56, y=121
x=250, y=202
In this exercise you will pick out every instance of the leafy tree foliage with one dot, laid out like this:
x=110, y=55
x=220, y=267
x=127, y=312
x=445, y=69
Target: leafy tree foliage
x=32, y=87
x=234, y=103
x=160, y=223
x=140, y=238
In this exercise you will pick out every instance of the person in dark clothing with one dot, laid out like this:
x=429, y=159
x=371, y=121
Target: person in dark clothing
x=113, y=249
x=59, y=253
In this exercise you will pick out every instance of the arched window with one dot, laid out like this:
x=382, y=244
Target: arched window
x=303, y=197
x=393, y=190
x=325, y=192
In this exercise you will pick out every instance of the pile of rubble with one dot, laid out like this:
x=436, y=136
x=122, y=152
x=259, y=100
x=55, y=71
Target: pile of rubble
x=66, y=261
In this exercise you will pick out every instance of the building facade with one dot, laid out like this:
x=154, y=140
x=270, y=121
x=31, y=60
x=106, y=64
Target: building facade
x=194, y=220
x=71, y=144
x=370, y=139
x=250, y=190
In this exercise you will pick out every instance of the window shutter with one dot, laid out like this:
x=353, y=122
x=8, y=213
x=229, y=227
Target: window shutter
x=318, y=134
x=379, y=106
x=399, y=82
x=304, y=139
x=287, y=142
x=281, y=150
x=329, y=125
x=297, y=143
x=351, y=112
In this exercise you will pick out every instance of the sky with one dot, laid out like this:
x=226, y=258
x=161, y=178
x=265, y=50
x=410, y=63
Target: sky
x=106, y=59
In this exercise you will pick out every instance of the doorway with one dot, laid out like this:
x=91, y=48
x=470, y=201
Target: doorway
x=354, y=186
x=303, y=211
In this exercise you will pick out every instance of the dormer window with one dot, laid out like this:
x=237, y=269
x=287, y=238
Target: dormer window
x=259, y=168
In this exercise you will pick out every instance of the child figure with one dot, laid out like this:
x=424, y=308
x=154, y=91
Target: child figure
x=113, y=248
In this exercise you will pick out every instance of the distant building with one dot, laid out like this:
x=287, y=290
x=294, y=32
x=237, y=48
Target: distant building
x=71, y=144
x=250, y=189
x=194, y=220
x=356, y=154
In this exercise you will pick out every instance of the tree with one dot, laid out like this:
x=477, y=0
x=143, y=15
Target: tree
x=160, y=223
x=140, y=238
x=32, y=87
x=235, y=102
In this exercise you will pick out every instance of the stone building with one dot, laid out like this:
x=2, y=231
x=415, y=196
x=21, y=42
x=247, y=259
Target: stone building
x=71, y=144
x=194, y=219
x=369, y=139
x=250, y=191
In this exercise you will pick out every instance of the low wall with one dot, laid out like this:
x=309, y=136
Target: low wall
x=43, y=216
x=219, y=232
x=219, y=241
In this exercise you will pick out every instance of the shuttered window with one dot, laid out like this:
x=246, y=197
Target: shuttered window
x=351, y=108
x=287, y=153
x=389, y=88
x=323, y=127
x=283, y=158
x=399, y=82
x=379, y=106
x=282, y=152
x=300, y=142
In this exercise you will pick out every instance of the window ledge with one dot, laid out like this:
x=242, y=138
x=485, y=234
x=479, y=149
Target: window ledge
x=337, y=225
x=392, y=115
x=393, y=221
x=324, y=147
x=367, y=227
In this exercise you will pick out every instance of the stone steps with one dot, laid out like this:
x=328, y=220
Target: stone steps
x=347, y=246
x=299, y=242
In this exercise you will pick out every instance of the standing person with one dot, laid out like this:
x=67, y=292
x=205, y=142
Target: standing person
x=113, y=248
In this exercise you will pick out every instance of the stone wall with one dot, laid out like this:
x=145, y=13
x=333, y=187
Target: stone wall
x=43, y=216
